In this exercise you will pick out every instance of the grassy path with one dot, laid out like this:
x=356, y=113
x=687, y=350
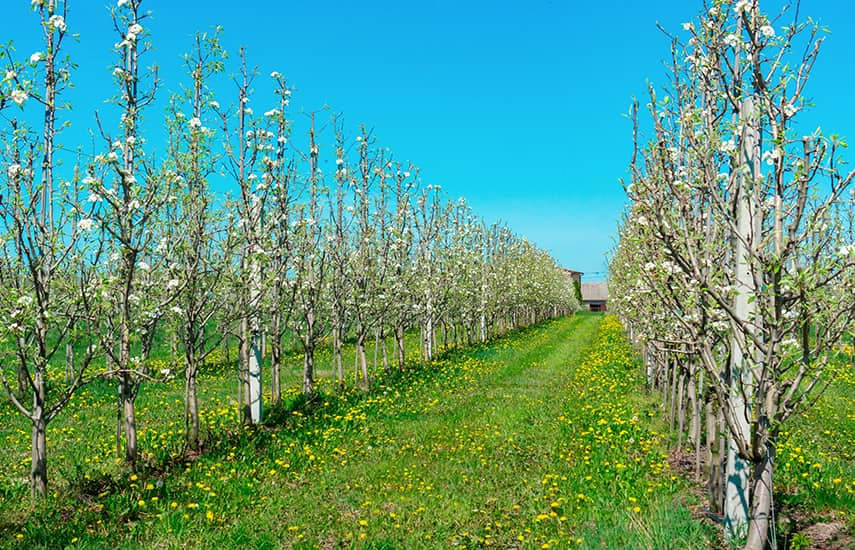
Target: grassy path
x=533, y=441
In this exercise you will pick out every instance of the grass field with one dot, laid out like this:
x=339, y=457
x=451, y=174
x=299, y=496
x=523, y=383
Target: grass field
x=542, y=439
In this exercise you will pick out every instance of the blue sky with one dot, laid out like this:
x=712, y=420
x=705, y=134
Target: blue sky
x=516, y=105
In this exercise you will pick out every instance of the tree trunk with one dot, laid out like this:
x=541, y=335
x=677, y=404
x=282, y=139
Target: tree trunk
x=360, y=351
x=309, y=354
x=38, y=466
x=383, y=348
x=681, y=405
x=276, y=369
x=761, y=502
x=715, y=483
x=376, y=346
x=191, y=407
x=243, y=372
x=399, y=345
x=309, y=368
x=650, y=358
x=23, y=383
x=337, y=355
x=276, y=358
x=173, y=343
x=129, y=422
x=227, y=351
x=695, y=422
x=675, y=371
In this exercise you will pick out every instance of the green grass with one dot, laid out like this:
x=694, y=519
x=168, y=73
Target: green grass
x=540, y=439
x=816, y=454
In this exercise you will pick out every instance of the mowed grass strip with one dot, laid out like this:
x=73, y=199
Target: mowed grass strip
x=537, y=440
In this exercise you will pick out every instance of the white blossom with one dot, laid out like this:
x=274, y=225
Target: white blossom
x=18, y=96
x=846, y=250
x=770, y=157
x=10, y=75
x=36, y=57
x=195, y=122
x=121, y=3
x=214, y=104
x=790, y=344
x=57, y=22
x=86, y=224
x=767, y=31
x=742, y=6
x=14, y=170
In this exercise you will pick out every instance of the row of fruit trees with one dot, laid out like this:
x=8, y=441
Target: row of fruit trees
x=324, y=237
x=736, y=264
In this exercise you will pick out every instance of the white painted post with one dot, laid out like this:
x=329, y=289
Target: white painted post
x=255, y=319
x=743, y=353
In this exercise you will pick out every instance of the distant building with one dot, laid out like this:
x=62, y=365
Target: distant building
x=576, y=278
x=575, y=275
x=595, y=296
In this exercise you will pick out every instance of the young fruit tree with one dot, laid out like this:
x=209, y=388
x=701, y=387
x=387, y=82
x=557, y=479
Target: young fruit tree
x=200, y=242
x=45, y=234
x=129, y=195
x=245, y=144
x=726, y=169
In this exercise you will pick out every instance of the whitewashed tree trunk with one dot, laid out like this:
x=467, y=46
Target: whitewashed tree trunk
x=743, y=353
x=254, y=371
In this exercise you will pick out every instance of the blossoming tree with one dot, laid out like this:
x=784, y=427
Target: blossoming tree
x=731, y=109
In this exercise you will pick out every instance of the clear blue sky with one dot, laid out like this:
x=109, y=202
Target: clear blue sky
x=516, y=105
